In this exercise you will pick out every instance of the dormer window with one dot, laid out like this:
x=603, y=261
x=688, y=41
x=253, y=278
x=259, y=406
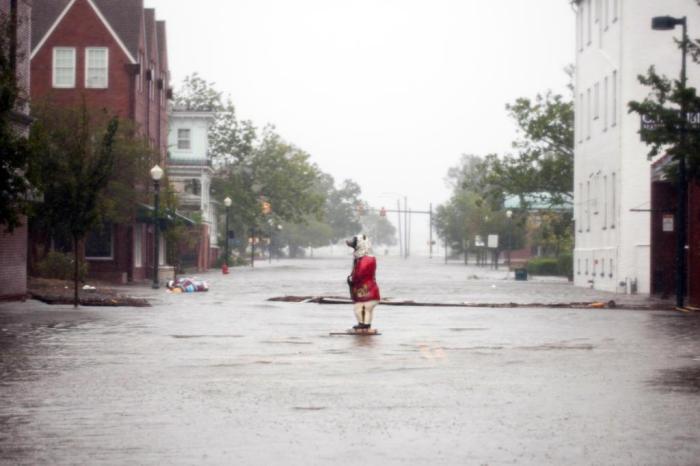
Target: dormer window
x=96, y=67
x=64, y=67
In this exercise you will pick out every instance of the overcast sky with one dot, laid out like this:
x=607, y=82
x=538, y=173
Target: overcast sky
x=388, y=93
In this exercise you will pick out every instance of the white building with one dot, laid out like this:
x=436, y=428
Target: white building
x=190, y=171
x=615, y=44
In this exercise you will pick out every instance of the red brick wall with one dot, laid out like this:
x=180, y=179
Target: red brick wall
x=13, y=257
x=694, y=245
x=82, y=28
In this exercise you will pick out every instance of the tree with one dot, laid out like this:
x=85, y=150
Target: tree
x=544, y=158
x=198, y=94
x=75, y=160
x=380, y=230
x=662, y=105
x=14, y=150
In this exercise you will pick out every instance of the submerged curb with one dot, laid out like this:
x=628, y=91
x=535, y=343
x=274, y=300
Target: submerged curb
x=571, y=305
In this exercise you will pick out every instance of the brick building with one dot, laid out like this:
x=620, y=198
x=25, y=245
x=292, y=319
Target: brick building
x=111, y=54
x=13, y=246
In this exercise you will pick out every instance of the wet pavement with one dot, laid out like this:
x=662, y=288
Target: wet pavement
x=226, y=377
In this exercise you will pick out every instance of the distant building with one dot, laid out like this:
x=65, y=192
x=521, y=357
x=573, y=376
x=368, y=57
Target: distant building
x=13, y=246
x=612, y=195
x=190, y=171
x=113, y=54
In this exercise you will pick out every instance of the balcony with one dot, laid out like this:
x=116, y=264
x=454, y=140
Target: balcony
x=191, y=162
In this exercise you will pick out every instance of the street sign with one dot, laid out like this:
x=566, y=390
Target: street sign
x=478, y=242
x=493, y=241
x=649, y=123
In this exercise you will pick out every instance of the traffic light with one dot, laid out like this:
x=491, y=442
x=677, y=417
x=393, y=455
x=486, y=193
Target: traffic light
x=266, y=207
x=382, y=212
x=360, y=209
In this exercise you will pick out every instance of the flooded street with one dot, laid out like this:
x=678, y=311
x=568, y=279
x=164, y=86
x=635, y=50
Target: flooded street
x=226, y=377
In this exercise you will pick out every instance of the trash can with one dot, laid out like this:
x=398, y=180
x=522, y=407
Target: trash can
x=521, y=274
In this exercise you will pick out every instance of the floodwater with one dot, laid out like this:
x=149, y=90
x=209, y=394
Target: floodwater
x=227, y=377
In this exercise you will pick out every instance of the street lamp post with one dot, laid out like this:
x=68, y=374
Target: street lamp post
x=667, y=23
x=509, y=215
x=156, y=175
x=227, y=203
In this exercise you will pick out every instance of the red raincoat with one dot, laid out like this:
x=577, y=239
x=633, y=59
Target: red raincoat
x=363, y=285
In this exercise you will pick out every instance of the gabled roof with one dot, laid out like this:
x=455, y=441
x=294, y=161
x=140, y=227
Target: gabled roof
x=123, y=18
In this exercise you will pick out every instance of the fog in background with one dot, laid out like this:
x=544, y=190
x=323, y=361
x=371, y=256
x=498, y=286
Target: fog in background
x=388, y=93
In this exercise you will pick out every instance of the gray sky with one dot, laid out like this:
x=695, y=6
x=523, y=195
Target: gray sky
x=388, y=93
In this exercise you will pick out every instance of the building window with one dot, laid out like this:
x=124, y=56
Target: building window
x=161, y=250
x=138, y=246
x=613, y=115
x=586, y=266
x=588, y=205
x=605, y=202
x=183, y=139
x=613, y=210
x=64, y=67
x=99, y=244
x=611, y=268
x=580, y=209
x=596, y=101
x=602, y=267
x=606, y=14
x=96, y=67
x=589, y=25
x=588, y=113
x=152, y=82
x=578, y=266
x=581, y=113
x=579, y=27
x=615, y=7
x=605, y=104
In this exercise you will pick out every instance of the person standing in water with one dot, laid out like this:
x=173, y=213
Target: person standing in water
x=363, y=284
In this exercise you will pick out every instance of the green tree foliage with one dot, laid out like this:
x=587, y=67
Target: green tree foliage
x=541, y=164
x=340, y=211
x=543, y=161
x=14, y=150
x=380, y=230
x=75, y=161
x=198, y=94
x=662, y=105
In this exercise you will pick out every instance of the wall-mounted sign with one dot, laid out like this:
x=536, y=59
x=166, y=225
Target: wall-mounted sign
x=667, y=223
x=493, y=241
x=650, y=123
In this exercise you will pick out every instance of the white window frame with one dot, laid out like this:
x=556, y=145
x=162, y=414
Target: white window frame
x=181, y=139
x=87, y=68
x=53, y=68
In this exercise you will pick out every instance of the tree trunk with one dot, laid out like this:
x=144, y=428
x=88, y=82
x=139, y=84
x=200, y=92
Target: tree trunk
x=76, y=269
